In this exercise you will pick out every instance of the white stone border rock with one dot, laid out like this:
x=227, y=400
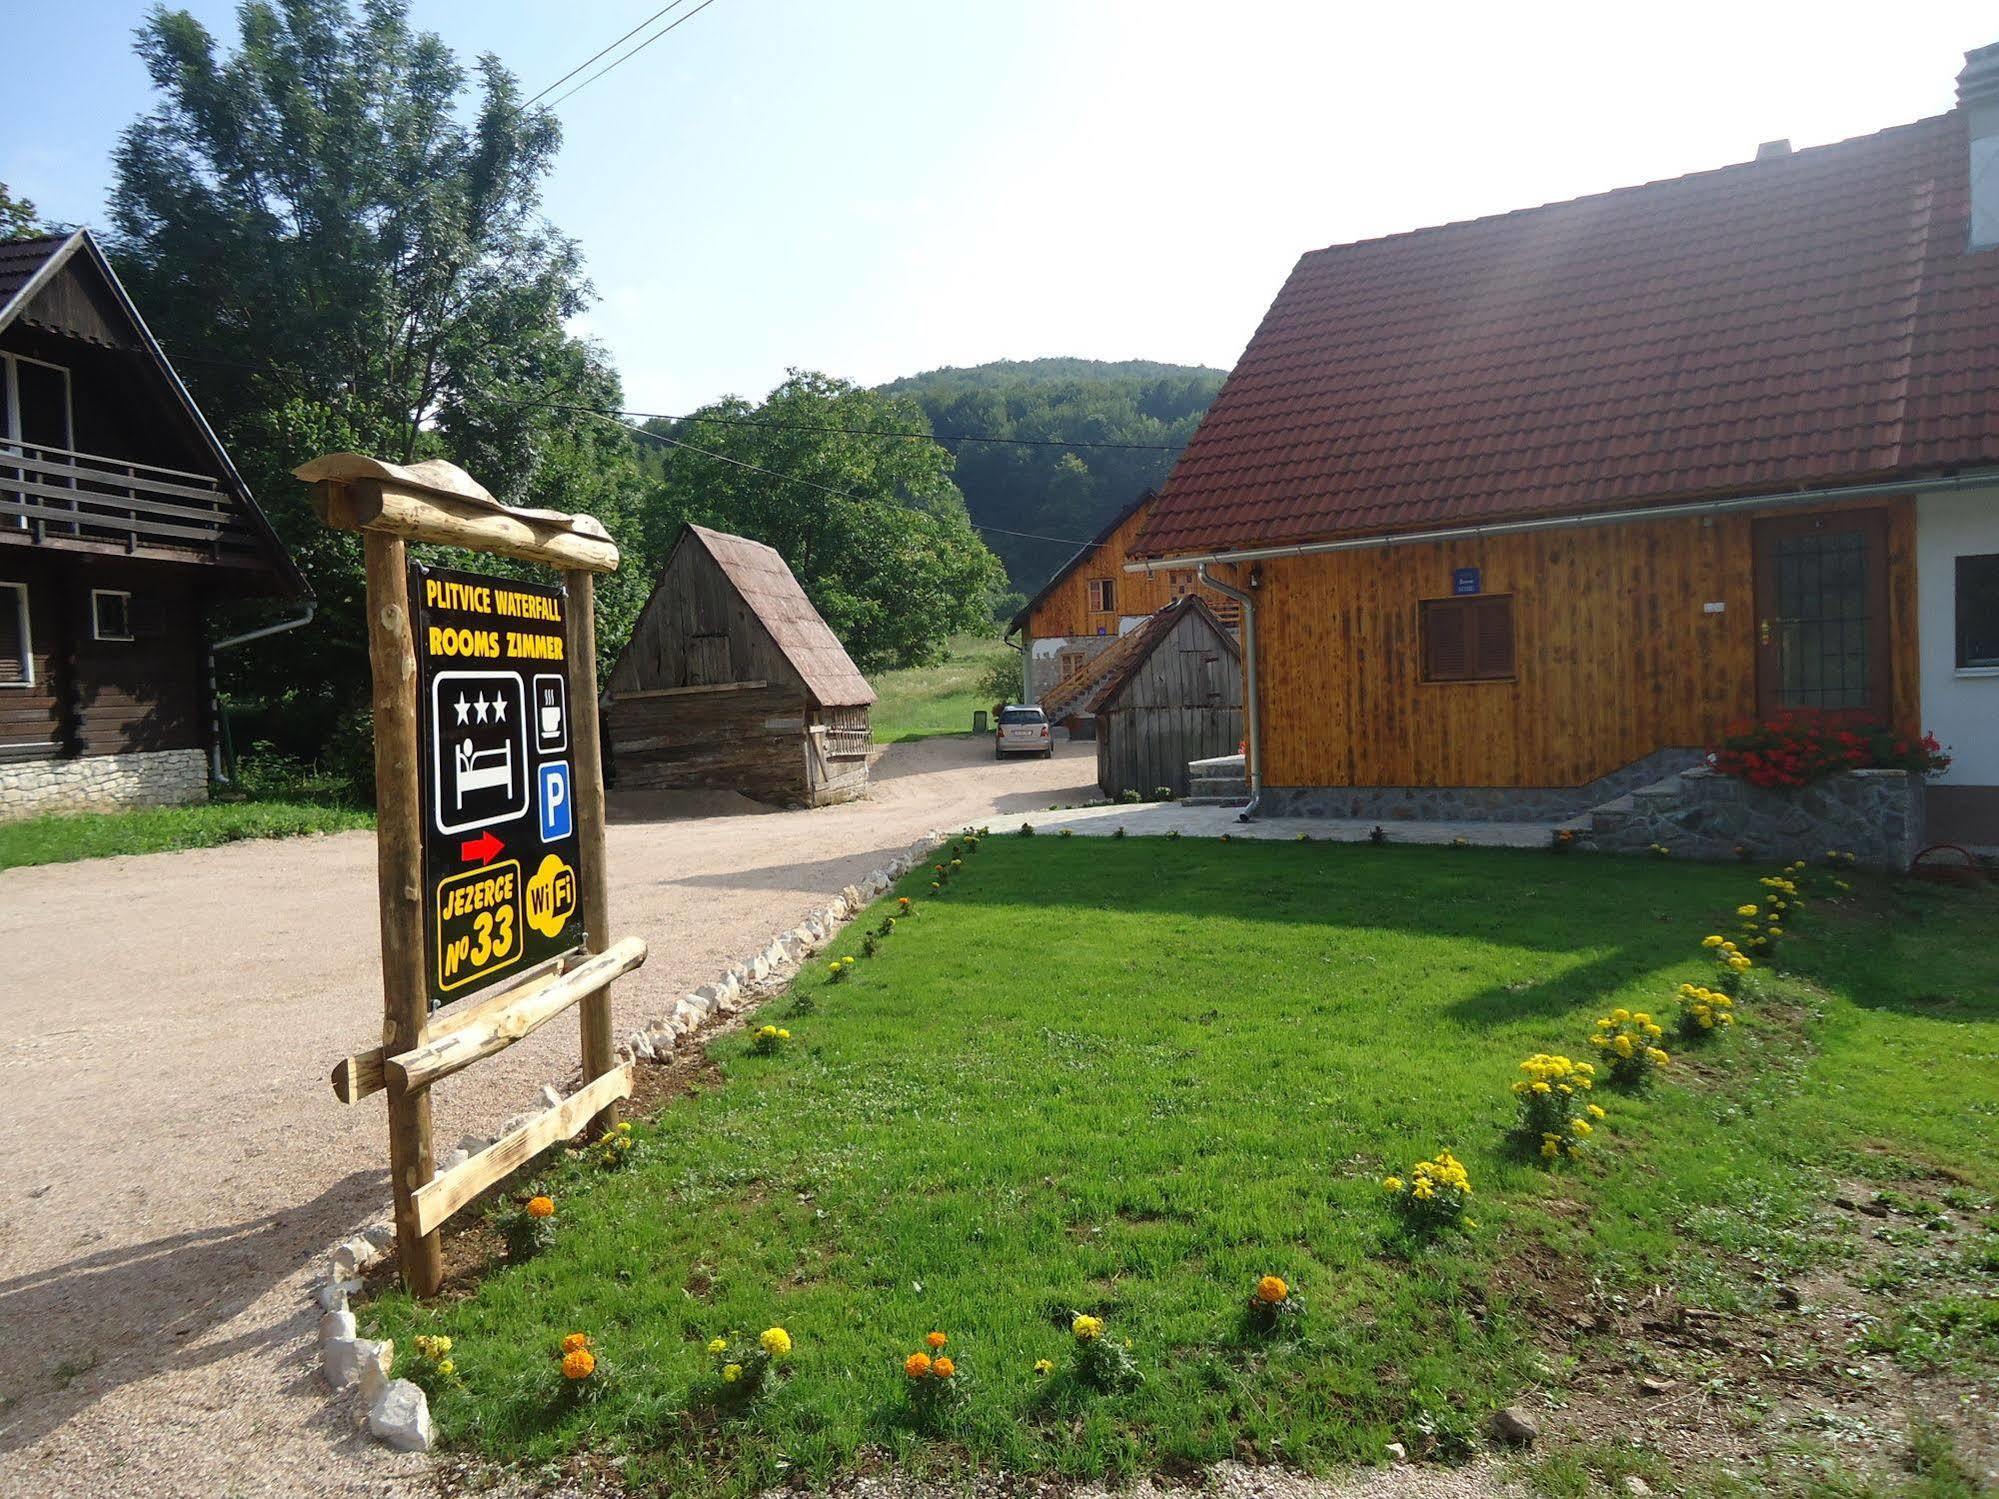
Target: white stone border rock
x=398, y=1411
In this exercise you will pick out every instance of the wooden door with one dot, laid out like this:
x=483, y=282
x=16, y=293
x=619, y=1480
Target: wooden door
x=1822, y=616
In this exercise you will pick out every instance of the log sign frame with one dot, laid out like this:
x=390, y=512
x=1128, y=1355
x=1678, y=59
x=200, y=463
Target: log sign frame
x=489, y=830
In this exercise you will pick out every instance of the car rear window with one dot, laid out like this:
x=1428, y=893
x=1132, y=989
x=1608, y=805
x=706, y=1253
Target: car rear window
x=1022, y=715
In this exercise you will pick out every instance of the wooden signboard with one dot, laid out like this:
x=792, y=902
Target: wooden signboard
x=447, y=790
x=498, y=786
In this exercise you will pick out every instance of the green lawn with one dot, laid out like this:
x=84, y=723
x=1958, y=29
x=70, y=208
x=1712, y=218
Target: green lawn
x=92, y=835
x=1129, y=1077
x=927, y=700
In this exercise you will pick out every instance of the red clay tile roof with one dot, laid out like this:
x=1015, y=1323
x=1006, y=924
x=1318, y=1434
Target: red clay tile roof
x=1800, y=321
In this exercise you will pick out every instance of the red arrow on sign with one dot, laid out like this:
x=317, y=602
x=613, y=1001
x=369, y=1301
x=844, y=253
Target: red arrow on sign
x=481, y=850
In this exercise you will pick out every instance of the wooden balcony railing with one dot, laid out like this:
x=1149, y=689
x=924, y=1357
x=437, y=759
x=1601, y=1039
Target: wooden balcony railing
x=56, y=494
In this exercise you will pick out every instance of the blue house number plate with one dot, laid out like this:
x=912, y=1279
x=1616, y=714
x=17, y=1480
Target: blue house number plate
x=1464, y=580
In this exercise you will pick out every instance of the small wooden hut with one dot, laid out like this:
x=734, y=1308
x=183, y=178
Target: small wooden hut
x=731, y=680
x=1173, y=693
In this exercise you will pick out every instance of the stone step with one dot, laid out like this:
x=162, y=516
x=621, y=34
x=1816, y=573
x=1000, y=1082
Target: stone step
x=1217, y=786
x=1238, y=800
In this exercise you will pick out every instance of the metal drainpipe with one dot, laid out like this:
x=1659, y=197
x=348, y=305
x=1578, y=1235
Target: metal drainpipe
x=215, y=694
x=1255, y=756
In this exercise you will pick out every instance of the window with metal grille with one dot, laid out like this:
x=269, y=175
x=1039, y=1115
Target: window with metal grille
x=1103, y=595
x=17, y=651
x=1469, y=639
x=1978, y=611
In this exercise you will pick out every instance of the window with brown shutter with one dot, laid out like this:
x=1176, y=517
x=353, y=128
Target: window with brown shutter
x=1468, y=639
x=1103, y=595
x=17, y=652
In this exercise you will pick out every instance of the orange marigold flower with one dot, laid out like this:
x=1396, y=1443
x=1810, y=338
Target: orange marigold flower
x=937, y=1340
x=1272, y=1289
x=541, y=1207
x=944, y=1368
x=916, y=1365
x=579, y=1364
x=575, y=1341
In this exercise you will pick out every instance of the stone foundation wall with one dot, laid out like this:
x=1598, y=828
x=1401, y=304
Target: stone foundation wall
x=102, y=783
x=1470, y=803
x=1877, y=815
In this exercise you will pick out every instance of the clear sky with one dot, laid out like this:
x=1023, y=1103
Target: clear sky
x=876, y=187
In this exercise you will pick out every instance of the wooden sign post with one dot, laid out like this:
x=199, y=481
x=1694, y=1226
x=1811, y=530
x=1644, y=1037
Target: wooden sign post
x=424, y=906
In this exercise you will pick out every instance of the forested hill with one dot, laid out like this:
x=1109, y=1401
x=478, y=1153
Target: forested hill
x=1045, y=487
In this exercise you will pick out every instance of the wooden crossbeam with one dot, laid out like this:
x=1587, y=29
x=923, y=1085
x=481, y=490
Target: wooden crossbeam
x=436, y=1203
x=362, y=1075
x=529, y=1007
x=372, y=505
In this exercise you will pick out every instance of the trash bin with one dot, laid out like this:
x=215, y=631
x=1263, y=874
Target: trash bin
x=978, y=720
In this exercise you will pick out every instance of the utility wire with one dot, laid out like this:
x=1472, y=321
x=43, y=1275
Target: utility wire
x=616, y=62
x=944, y=438
x=838, y=494
x=595, y=55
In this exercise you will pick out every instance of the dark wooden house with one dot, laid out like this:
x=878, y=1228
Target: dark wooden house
x=731, y=680
x=1174, y=693
x=122, y=521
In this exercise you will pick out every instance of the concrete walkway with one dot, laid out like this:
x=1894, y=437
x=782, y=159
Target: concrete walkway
x=1157, y=819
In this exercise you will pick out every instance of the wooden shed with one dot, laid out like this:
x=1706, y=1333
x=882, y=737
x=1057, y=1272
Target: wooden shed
x=731, y=680
x=1173, y=693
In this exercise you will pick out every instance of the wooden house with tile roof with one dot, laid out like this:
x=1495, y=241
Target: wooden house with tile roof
x=123, y=525
x=1532, y=508
x=732, y=681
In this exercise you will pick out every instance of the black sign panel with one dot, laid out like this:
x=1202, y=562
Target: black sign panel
x=500, y=849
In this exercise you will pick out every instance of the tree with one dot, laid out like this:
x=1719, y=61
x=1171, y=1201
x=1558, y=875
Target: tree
x=873, y=527
x=340, y=249
x=17, y=217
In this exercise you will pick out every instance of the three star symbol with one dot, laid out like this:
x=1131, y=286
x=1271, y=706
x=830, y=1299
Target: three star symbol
x=479, y=706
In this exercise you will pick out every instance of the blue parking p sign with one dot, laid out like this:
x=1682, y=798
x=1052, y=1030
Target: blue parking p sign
x=557, y=817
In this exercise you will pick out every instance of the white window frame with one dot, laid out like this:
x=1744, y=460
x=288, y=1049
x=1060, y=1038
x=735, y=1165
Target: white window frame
x=97, y=623
x=10, y=405
x=20, y=591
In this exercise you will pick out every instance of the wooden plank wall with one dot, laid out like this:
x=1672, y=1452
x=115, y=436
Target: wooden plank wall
x=750, y=740
x=1066, y=610
x=106, y=697
x=1183, y=702
x=837, y=760
x=1616, y=656
x=693, y=600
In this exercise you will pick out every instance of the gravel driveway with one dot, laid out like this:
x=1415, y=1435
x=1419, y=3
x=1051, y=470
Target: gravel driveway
x=176, y=1161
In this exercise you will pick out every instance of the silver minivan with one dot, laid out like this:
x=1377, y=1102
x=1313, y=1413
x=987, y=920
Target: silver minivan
x=1022, y=730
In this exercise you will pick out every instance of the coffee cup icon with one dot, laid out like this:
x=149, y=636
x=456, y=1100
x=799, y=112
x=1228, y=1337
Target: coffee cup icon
x=551, y=720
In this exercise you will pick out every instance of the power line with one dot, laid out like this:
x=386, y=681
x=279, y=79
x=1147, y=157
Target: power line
x=944, y=438
x=838, y=494
x=617, y=62
x=595, y=55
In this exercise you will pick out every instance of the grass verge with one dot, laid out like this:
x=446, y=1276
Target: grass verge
x=94, y=835
x=1129, y=1077
x=924, y=701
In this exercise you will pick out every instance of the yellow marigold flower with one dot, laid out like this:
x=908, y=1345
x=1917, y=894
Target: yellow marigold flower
x=1272, y=1289
x=943, y=1368
x=916, y=1365
x=1620, y=1014
x=1392, y=1183
x=783, y=1034
x=768, y=1031
x=581, y=1363
x=1550, y=1149
x=575, y=1341
x=1582, y=1127
x=541, y=1207
x=1656, y=1057
x=1776, y=931
x=1044, y=1367
x=1712, y=941
x=1087, y=1328
x=775, y=1341
x=1596, y=1112
x=1748, y=910
x=731, y=1373
x=1622, y=1046
x=1653, y=1030
x=446, y=1367
x=717, y=1345
x=936, y=1340
x=1423, y=1191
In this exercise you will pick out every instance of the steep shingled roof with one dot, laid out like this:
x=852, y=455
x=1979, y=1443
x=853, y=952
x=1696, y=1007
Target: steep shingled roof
x=769, y=588
x=1800, y=321
x=1101, y=677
